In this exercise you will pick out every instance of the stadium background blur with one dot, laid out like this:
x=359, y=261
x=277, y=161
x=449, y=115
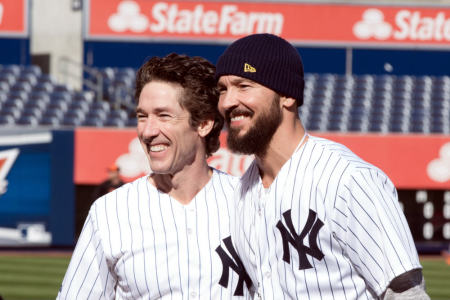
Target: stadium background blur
x=67, y=110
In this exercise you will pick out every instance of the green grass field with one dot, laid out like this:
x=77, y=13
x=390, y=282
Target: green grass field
x=33, y=277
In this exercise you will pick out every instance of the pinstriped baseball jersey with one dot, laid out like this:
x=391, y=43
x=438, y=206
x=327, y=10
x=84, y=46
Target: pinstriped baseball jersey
x=139, y=243
x=328, y=227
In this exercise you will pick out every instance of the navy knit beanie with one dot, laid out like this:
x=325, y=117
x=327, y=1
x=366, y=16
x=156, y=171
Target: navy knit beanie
x=268, y=60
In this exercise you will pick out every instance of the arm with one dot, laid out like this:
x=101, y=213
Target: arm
x=377, y=238
x=408, y=286
x=88, y=275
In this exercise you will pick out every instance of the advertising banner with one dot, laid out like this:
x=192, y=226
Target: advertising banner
x=300, y=23
x=97, y=149
x=36, y=188
x=411, y=161
x=13, y=18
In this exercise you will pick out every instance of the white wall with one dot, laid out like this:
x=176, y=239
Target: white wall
x=56, y=29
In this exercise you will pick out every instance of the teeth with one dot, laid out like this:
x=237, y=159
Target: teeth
x=158, y=148
x=237, y=118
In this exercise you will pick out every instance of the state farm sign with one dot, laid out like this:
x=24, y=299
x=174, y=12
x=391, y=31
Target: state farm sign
x=13, y=17
x=409, y=25
x=301, y=23
x=170, y=19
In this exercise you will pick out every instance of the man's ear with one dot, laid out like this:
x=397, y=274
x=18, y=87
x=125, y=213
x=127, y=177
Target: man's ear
x=205, y=127
x=288, y=102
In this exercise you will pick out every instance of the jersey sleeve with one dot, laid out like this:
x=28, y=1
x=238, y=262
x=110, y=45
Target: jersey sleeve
x=373, y=232
x=88, y=275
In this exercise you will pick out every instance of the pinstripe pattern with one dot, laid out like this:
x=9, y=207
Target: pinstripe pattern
x=139, y=243
x=364, y=238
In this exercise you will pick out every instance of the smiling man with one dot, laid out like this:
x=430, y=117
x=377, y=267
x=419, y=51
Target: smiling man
x=313, y=220
x=167, y=234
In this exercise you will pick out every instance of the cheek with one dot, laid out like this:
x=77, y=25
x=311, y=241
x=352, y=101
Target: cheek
x=220, y=105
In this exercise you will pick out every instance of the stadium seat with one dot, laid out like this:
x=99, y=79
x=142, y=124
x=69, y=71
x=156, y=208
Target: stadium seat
x=28, y=120
x=9, y=78
x=115, y=122
x=11, y=69
x=32, y=111
x=132, y=122
x=53, y=112
x=13, y=102
x=4, y=87
x=118, y=114
x=72, y=120
x=7, y=120
x=61, y=94
x=93, y=122
x=12, y=111
x=50, y=121
x=43, y=87
x=31, y=69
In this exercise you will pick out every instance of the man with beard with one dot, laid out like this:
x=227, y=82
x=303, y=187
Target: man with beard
x=164, y=235
x=313, y=220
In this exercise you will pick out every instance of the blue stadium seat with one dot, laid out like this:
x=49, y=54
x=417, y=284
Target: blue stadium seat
x=22, y=86
x=28, y=120
x=14, y=102
x=93, y=122
x=72, y=120
x=7, y=120
x=115, y=122
x=103, y=105
x=31, y=69
x=4, y=87
x=12, y=111
x=61, y=94
x=58, y=105
x=39, y=95
x=32, y=111
x=118, y=114
x=50, y=121
x=43, y=87
x=79, y=105
x=97, y=114
x=53, y=112
x=75, y=114
x=9, y=78
x=22, y=95
x=132, y=122
x=11, y=69
x=46, y=78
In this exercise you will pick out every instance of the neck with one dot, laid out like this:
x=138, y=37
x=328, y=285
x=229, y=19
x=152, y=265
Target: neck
x=283, y=144
x=185, y=184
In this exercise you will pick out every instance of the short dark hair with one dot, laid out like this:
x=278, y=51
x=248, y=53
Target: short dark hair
x=200, y=94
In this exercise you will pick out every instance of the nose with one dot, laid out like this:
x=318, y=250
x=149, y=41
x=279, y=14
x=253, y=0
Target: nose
x=150, y=128
x=227, y=100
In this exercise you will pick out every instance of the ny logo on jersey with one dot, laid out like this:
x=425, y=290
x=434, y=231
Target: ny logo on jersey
x=289, y=236
x=234, y=263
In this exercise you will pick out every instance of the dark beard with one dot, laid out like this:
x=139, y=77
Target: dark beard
x=258, y=137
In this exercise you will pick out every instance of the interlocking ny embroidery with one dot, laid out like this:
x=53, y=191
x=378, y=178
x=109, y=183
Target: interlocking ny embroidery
x=289, y=236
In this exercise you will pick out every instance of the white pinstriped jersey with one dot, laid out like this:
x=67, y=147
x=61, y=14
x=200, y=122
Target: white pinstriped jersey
x=328, y=227
x=139, y=243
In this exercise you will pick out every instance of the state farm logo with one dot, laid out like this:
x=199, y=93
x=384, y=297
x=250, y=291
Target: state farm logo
x=7, y=159
x=409, y=25
x=166, y=17
x=372, y=25
x=439, y=168
x=128, y=17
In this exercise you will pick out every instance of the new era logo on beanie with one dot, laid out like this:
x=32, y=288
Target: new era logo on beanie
x=248, y=68
x=266, y=59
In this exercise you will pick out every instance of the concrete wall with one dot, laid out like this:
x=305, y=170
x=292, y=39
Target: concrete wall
x=56, y=30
